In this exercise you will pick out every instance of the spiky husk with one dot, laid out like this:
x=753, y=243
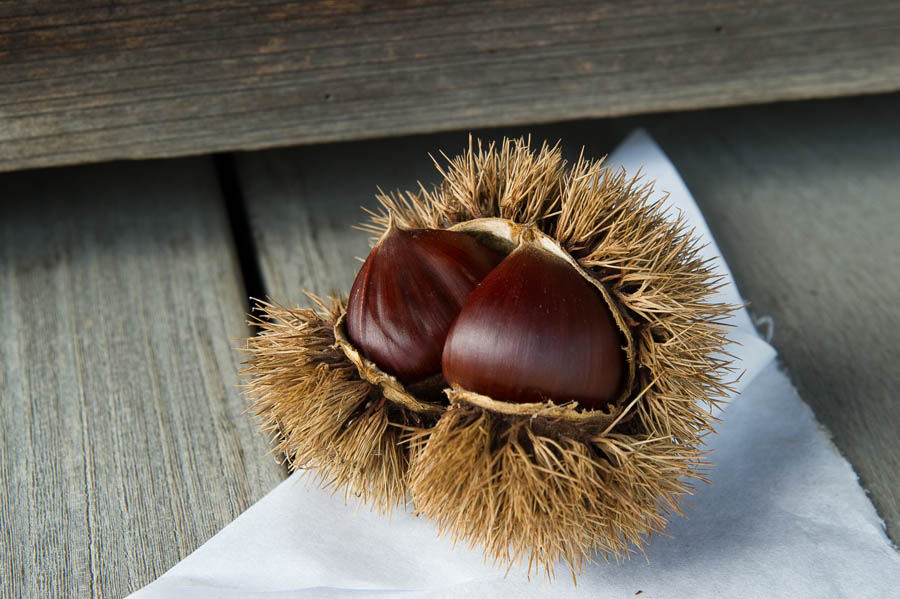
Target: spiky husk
x=309, y=396
x=538, y=494
x=530, y=497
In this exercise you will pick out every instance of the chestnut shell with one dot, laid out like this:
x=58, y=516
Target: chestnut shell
x=407, y=294
x=505, y=236
x=536, y=330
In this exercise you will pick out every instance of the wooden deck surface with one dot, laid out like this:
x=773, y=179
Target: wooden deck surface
x=121, y=439
x=122, y=442
x=95, y=80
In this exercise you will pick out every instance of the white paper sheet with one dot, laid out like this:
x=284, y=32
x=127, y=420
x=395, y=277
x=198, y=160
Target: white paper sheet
x=784, y=517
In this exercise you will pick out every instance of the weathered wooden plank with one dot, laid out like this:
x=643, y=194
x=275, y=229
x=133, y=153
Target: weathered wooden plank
x=803, y=199
x=94, y=81
x=122, y=442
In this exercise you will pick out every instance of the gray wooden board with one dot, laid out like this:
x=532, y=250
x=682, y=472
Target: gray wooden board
x=94, y=80
x=122, y=443
x=804, y=200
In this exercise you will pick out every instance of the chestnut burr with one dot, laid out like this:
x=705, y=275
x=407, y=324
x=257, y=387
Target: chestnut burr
x=583, y=369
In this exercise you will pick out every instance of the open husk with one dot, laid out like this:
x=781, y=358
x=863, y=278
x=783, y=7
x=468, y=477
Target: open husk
x=532, y=484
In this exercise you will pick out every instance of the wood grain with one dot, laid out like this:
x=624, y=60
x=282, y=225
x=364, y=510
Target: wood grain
x=802, y=198
x=94, y=80
x=122, y=442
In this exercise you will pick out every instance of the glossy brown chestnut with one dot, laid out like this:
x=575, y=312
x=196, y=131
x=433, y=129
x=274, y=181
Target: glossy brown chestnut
x=535, y=330
x=407, y=294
